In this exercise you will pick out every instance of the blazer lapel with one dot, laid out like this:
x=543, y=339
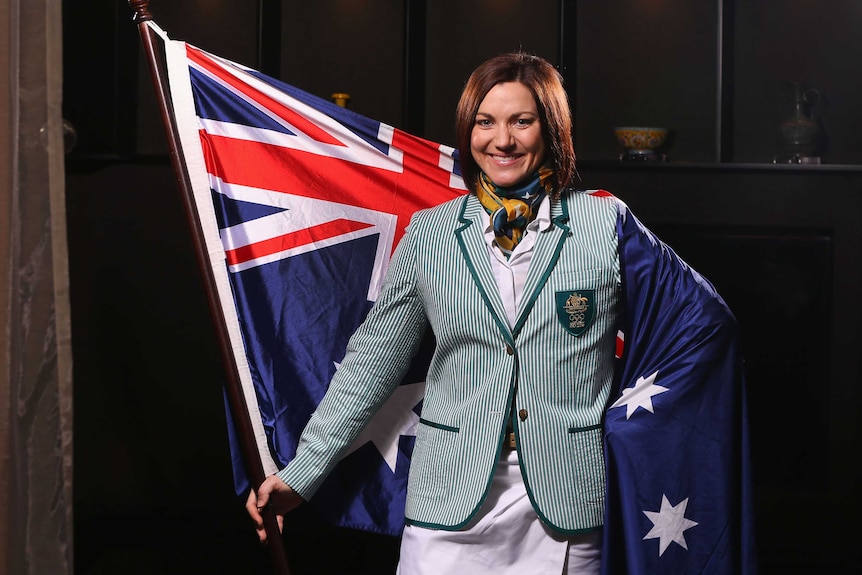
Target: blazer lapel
x=471, y=239
x=546, y=252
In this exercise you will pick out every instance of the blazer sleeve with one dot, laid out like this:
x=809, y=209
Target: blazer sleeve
x=377, y=358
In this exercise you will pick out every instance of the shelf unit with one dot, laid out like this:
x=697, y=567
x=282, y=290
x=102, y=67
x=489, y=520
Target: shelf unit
x=718, y=73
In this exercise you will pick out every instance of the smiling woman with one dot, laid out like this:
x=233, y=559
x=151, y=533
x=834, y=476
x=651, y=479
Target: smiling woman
x=506, y=140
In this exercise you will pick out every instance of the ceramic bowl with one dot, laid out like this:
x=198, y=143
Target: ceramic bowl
x=641, y=140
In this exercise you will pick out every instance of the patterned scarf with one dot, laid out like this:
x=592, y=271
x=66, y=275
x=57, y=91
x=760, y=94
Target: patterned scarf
x=511, y=209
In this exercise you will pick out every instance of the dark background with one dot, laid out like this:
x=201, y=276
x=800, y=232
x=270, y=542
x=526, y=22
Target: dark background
x=782, y=243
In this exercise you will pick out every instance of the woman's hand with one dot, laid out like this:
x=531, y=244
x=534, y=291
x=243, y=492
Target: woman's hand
x=275, y=494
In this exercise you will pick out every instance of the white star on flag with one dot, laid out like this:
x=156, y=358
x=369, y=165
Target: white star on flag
x=394, y=419
x=669, y=524
x=640, y=395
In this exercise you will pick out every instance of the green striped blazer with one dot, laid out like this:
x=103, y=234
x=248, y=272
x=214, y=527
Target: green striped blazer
x=550, y=374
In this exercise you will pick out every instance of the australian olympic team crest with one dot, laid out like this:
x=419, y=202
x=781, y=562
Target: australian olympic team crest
x=576, y=310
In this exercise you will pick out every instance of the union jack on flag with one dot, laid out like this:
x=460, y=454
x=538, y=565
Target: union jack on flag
x=302, y=203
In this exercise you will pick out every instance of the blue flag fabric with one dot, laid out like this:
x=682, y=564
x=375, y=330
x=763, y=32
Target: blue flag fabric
x=679, y=489
x=302, y=202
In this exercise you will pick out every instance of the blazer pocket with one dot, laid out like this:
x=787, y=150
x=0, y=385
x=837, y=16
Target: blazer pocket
x=436, y=425
x=587, y=442
x=430, y=473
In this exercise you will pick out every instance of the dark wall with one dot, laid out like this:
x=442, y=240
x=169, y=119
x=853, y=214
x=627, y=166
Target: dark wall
x=461, y=35
x=107, y=93
x=153, y=487
x=646, y=64
x=230, y=29
x=354, y=47
x=152, y=481
x=811, y=43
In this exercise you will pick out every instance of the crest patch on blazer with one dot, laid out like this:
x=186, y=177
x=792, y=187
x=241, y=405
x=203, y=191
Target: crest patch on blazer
x=576, y=310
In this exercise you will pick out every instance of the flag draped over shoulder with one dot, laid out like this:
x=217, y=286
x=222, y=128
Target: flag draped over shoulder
x=676, y=444
x=301, y=203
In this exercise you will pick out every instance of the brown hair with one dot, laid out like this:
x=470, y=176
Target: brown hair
x=552, y=103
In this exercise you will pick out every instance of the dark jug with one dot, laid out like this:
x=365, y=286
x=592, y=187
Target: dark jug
x=800, y=134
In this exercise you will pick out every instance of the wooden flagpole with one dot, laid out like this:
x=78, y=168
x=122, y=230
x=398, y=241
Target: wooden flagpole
x=236, y=400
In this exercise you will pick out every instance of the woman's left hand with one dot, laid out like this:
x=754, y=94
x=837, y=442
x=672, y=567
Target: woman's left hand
x=273, y=493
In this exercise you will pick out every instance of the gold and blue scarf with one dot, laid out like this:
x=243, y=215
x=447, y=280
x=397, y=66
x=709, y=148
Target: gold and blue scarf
x=511, y=209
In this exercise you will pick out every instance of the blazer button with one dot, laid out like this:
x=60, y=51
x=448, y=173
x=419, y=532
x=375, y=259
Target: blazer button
x=522, y=414
x=509, y=349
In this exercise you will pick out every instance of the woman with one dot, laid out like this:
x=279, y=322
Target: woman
x=507, y=469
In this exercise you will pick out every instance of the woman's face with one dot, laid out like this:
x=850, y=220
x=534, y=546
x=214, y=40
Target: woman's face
x=506, y=140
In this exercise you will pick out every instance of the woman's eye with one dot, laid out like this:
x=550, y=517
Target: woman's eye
x=483, y=123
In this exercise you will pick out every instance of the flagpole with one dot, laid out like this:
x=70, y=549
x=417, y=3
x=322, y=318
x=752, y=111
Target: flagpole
x=236, y=400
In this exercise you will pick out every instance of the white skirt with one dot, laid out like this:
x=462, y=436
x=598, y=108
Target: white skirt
x=506, y=537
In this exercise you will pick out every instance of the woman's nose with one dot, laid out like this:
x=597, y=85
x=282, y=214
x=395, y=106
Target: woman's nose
x=503, y=137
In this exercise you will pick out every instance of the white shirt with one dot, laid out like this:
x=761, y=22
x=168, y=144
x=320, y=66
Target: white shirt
x=511, y=274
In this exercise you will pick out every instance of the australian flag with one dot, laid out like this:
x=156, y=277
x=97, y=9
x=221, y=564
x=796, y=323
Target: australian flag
x=302, y=202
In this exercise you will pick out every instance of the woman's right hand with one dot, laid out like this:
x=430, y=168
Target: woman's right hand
x=275, y=494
